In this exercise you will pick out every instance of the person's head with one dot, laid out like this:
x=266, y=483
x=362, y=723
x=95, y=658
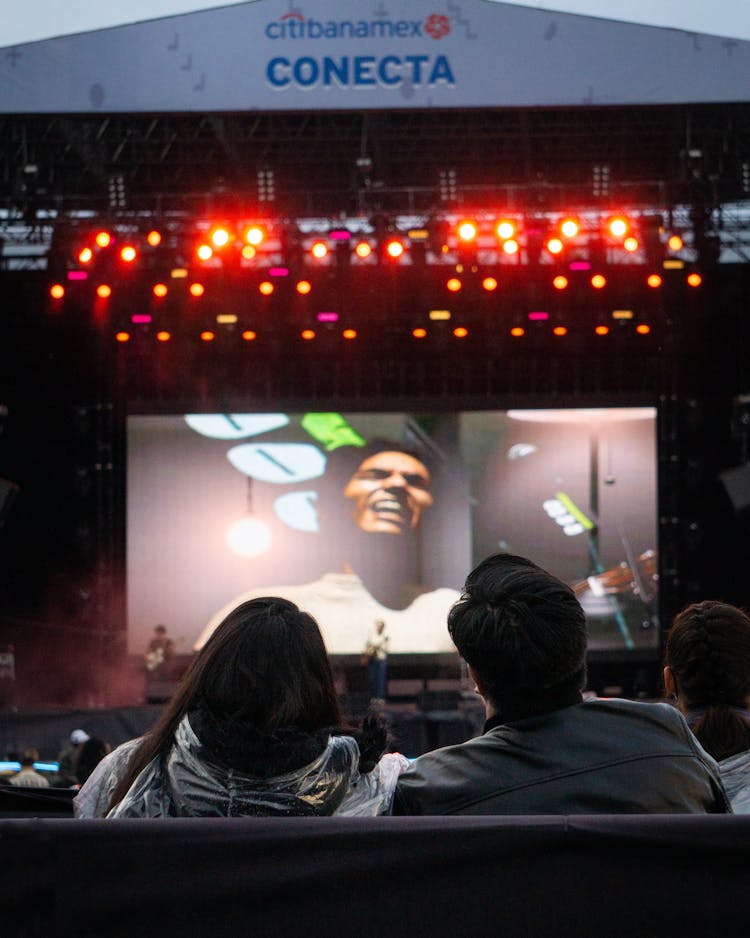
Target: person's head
x=389, y=491
x=29, y=757
x=264, y=665
x=522, y=633
x=707, y=670
x=379, y=626
x=89, y=756
x=160, y=630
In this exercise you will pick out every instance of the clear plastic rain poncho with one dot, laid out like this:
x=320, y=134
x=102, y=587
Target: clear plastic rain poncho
x=191, y=782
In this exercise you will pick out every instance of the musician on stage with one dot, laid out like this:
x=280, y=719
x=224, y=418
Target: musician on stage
x=158, y=657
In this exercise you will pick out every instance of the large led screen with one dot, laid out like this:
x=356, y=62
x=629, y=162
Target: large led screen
x=359, y=516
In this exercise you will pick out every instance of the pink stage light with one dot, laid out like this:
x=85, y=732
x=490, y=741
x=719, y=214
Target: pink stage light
x=140, y=318
x=328, y=317
x=78, y=275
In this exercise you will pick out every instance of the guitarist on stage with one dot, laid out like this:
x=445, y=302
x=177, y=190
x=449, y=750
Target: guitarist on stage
x=158, y=657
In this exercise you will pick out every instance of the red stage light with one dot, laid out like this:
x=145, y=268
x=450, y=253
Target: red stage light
x=511, y=246
x=85, y=256
x=570, y=227
x=560, y=282
x=505, y=230
x=128, y=254
x=219, y=237
x=694, y=280
x=205, y=252
x=122, y=336
x=394, y=248
x=653, y=280
x=554, y=246
x=255, y=235
x=460, y=332
x=160, y=289
x=104, y=291
x=618, y=226
x=304, y=287
x=103, y=239
x=419, y=333
x=154, y=238
x=197, y=289
x=598, y=281
x=489, y=284
x=308, y=334
x=319, y=249
x=57, y=291
x=349, y=333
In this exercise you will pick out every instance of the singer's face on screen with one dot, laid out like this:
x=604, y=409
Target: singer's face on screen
x=390, y=490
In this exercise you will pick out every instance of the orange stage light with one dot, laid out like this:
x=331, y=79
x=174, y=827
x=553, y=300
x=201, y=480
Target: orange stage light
x=349, y=333
x=128, y=254
x=654, y=280
x=631, y=244
x=642, y=328
x=694, y=280
x=675, y=243
x=510, y=246
x=618, y=226
x=122, y=336
x=304, y=287
x=308, y=334
x=104, y=291
x=363, y=250
x=602, y=330
x=248, y=252
x=598, y=281
x=489, y=284
x=419, y=332
x=163, y=336
x=205, y=252
x=85, y=256
x=394, y=248
x=505, y=230
x=517, y=331
x=208, y=336
x=160, y=290
x=560, y=282
x=249, y=336
x=57, y=291
x=154, y=238
x=560, y=330
x=319, y=249
x=197, y=289
x=460, y=332
x=454, y=284
x=103, y=239
x=266, y=287
x=554, y=246
x=467, y=230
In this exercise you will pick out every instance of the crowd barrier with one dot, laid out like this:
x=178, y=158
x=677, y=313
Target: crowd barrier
x=377, y=878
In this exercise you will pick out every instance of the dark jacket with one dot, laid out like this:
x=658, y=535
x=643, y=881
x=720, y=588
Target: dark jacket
x=597, y=757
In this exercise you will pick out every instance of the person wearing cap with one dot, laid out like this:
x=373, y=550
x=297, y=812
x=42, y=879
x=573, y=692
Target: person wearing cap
x=545, y=750
x=68, y=758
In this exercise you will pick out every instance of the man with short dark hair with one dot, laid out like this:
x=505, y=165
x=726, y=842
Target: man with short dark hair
x=544, y=750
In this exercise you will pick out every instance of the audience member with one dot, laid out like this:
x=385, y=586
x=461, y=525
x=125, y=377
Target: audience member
x=66, y=761
x=28, y=777
x=253, y=729
x=90, y=755
x=707, y=671
x=544, y=750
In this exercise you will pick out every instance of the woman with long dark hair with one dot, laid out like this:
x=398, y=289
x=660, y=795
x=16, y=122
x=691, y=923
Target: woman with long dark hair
x=253, y=729
x=707, y=672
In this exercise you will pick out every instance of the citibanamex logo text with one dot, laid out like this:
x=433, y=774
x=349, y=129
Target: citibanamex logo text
x=296, y=26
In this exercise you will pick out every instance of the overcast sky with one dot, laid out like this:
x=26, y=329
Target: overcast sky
x=29, y=20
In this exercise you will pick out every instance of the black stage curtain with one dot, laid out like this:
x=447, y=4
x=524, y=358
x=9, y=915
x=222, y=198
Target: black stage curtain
x=516, y=876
